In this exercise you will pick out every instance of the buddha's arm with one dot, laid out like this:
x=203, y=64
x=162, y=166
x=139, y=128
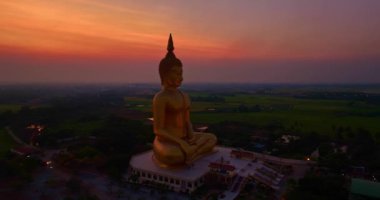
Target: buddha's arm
x=189, y=125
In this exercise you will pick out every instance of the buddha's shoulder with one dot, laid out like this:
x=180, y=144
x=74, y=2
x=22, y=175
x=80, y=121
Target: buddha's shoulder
x=161, y=96
x=165, y=95
x=186, y=96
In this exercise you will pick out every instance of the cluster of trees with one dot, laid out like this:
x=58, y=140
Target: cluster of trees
x=75, y=189
x=318, y=186
x=235, y=134
x=114, y=138
x=110, y=147
x=119, y=139
x=361, y=96
x=209, y=98
x=363, y=148
x=20, y=169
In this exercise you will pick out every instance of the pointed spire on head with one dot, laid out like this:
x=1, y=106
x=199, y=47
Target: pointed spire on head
x=170, y=43
x=170, y=60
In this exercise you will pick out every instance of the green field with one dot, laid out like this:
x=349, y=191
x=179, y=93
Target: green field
x=6, y=142
x=138, y=103
x=298, y=115
x=10, y=107
x=302, y=115
x=80, y=128
x=17, y=107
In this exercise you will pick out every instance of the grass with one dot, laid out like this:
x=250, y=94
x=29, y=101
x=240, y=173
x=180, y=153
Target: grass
x=6, y=142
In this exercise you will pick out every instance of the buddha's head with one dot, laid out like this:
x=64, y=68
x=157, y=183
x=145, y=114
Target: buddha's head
x=170, y=67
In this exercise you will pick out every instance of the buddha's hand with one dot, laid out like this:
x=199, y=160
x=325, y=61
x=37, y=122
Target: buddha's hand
x=192, y=140
x=188, y=148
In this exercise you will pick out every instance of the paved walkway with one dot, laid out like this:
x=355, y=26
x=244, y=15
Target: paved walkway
x=236, y=186
x=282, y=161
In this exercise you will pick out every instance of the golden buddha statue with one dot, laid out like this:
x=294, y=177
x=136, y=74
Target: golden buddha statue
x=175, y=144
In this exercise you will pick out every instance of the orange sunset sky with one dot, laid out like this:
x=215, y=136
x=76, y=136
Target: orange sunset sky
x=256, y=41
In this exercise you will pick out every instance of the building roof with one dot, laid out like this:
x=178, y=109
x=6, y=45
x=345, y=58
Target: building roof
x=365, y=188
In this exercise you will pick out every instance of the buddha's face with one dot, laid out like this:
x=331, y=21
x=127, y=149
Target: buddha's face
x=173, y=78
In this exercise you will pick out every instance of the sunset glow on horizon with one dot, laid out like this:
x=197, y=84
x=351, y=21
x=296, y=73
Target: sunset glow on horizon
x=247, y=41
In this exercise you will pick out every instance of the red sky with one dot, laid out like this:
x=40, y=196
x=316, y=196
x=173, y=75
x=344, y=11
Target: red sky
x=259, y=41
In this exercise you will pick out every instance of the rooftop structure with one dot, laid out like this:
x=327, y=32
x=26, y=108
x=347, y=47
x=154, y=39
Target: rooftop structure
x=222, y=167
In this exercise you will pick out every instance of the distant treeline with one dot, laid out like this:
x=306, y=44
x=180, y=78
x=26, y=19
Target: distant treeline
x=210, y=98
x=361, y=96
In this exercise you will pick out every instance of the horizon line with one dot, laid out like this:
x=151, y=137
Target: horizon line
x=4, y=83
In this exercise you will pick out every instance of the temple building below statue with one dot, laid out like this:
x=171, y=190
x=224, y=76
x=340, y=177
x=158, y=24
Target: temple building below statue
x=229, y=166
